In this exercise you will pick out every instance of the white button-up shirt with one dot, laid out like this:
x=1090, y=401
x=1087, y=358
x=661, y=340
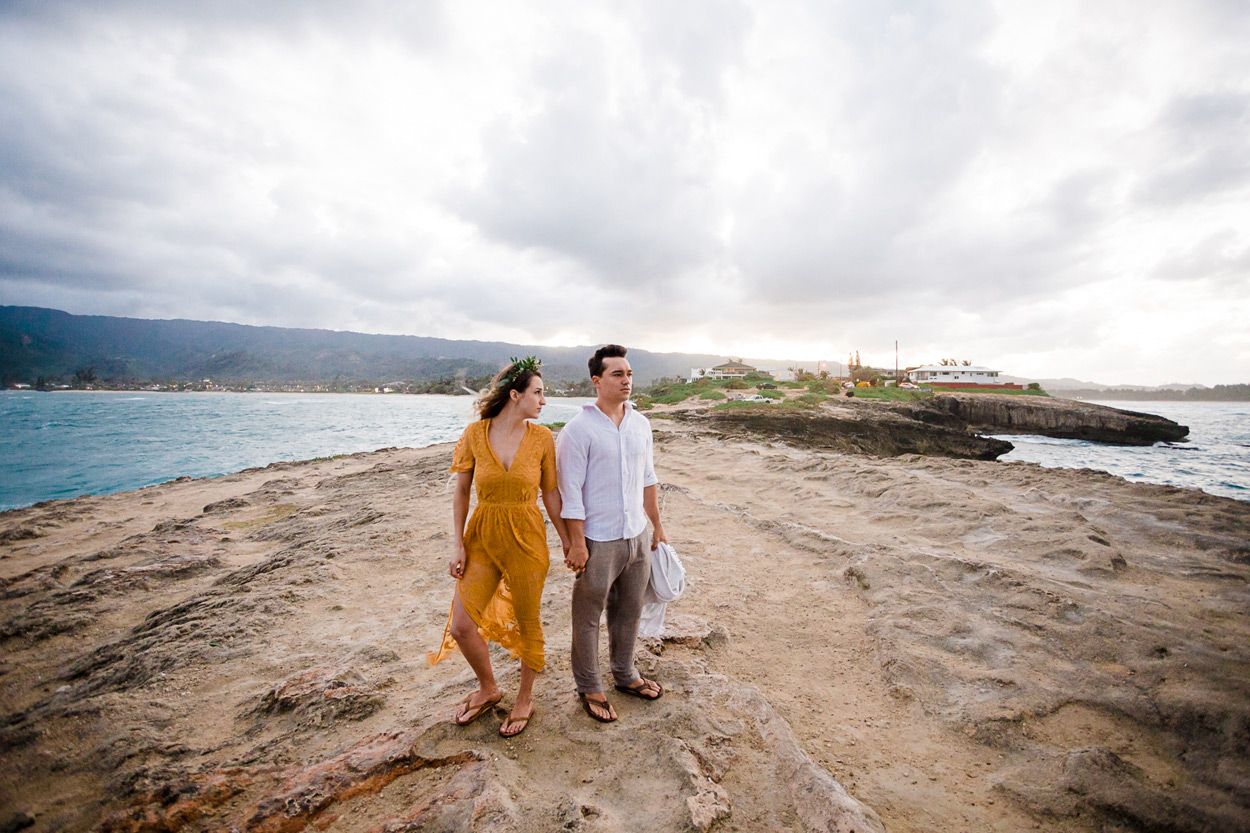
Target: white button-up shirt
x=602, y=471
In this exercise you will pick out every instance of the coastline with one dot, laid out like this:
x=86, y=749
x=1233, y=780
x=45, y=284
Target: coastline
x=241, y=392
x=60, y=447
x=938, y=644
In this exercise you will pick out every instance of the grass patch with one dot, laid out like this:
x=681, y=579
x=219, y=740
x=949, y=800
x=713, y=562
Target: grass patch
x=641, y=401
x=891, y=394
x=1007, y=391
x=741, y=406
x=672, y=394
x=772, y=394
x=802, y=403
x=554, y=424
x=712, y=394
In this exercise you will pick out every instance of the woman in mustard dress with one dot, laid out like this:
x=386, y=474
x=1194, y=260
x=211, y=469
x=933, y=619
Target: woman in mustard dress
x=500, y=561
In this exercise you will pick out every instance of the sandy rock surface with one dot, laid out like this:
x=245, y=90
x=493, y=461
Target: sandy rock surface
x=912, y=644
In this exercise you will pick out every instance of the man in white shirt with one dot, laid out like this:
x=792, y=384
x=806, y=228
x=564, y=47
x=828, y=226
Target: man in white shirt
x=608, y=487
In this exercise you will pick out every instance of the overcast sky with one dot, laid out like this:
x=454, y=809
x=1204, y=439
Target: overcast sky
x=1050, y=189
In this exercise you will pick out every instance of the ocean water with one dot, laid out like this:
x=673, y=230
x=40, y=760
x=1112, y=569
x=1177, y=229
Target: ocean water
x=62, y=445
x=1215, y=458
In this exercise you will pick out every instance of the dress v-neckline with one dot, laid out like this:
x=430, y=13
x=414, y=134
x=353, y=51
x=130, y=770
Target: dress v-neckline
x=515, y=454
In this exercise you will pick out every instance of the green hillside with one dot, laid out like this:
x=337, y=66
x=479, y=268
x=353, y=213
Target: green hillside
x=43, y=343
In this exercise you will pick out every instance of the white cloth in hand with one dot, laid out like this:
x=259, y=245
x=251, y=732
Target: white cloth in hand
x=668, y=581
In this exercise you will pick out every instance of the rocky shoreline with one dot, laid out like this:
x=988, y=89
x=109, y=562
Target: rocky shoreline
x=902, y=643
x=1046, y=417
x=947, y=425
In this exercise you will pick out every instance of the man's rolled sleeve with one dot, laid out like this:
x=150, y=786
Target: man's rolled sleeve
x=572, y=454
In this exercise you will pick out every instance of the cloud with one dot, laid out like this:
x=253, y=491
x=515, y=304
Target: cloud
x=419, y=24
x=1204, y=149
x=698, y=40
x=1222, y=257
x=899, y=107
x=982, y=180
x=614, y=175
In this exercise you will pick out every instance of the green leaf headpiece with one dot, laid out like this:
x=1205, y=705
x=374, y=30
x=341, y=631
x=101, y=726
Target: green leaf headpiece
x=519, y=366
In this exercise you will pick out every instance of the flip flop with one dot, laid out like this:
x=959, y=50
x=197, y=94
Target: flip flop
x=604, y=704
x=637, y=690
x=467, y=715
x=523, y=721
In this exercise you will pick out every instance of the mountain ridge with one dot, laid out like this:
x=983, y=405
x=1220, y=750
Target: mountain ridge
x=40, y=342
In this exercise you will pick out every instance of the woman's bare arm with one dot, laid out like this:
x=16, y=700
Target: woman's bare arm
x=459, y=515
x=551, y=500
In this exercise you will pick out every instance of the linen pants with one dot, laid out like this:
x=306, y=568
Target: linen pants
x=616, y=576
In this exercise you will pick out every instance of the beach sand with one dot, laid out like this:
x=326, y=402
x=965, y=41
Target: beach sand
x=903, y=644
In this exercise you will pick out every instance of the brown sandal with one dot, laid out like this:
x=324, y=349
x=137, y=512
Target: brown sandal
x=467, y=714
x=637, y=690
x=603, y=704
x=514, y=721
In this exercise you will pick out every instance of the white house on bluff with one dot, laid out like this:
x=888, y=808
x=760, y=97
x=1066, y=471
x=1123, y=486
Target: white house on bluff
x=957, y=376
x=729, y=370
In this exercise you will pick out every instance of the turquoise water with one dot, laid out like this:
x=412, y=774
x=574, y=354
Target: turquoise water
x=1215, y=458
x=62, y=445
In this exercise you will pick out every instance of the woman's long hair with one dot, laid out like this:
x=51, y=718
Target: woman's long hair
x=493, y=399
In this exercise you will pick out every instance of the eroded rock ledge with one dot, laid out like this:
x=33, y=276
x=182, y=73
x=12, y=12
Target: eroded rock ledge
x=1061, y=418
x=857, y=428
x=949, y=425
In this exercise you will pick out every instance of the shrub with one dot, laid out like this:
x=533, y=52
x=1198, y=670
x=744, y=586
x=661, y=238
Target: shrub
x=736, y=384
x=712, y=394
x=772, y=394
x=641, y=401
x=672, y=393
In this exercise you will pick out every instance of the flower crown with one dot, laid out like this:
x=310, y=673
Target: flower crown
x=519, y=366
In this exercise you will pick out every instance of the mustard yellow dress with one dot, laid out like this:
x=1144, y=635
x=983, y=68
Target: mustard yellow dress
x=505, y=542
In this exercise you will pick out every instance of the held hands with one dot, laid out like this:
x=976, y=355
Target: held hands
x=576, y=556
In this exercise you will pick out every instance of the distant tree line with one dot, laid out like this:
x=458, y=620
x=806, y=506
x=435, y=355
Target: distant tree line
x=1219, y=393
x=458, y=385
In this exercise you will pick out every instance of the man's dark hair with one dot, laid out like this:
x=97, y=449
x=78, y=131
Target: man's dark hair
x=607, y=351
